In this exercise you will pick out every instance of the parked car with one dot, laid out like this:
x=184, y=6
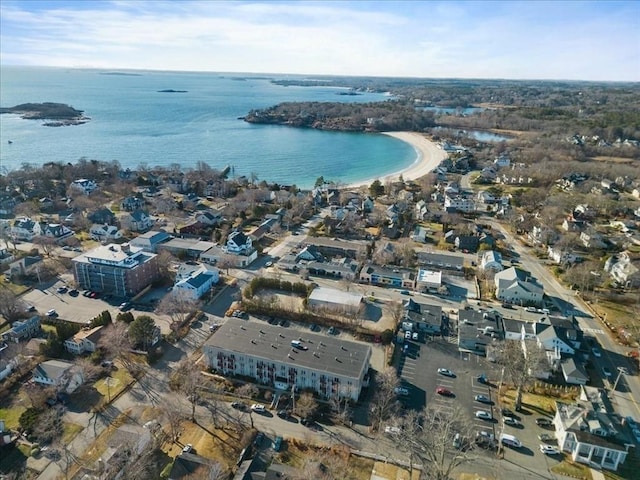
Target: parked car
x=511, y=421
x=481, y=378
x=606, y=372
x=238, y=406
x=74, y=293
x=401, y=391
x=484, y=415
x=531, y=309
x=407, y=335
x=258, y=408
x=268, y=264
x=549, y=450
x=277, y=444
x=596, y=352
x=405, y=292
x=506, y=412
x=544, y=422
x=188, y=448
x=547, y=437
x=392, y=430
x=444, y=391
x=61, y=290
x=51, y=313
x=482, y=399
x=446, y=372
x=332, y=331
x=284, y=414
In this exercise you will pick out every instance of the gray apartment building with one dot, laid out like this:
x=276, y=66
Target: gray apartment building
x=283, y=358
x=119, y=270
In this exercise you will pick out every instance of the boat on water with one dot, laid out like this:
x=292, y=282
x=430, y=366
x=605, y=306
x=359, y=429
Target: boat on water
x=9, y=142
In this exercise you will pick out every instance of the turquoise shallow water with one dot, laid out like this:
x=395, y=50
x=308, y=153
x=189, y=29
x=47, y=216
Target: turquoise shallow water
x=133, y=123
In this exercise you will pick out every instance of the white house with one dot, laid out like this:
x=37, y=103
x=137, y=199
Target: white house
x=238, y=243
x=623, y=269
x=428, y=280
x=25, y=229
x=58, y=373
x=589, y=433
x=85, y=186
x=57, y=231
x=574, y=372
x=104, y=232
x=138, y=221
x=551, y=341
x=491, y=260
x=194, y=279
x=84, y=341
x=560, y=255
x=208, y=217
x=517, y=286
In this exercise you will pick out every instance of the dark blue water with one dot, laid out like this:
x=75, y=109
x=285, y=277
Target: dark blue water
x=134, y=124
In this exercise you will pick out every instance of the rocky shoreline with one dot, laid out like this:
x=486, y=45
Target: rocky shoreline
x=55, y=114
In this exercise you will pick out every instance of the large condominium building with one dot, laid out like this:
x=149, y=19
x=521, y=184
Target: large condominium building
x=284, y=358
x=119, y=270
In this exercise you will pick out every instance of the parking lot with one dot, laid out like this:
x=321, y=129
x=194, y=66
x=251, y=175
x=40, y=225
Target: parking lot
x=418, y=371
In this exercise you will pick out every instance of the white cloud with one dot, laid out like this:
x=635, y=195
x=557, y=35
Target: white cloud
x=439, y=39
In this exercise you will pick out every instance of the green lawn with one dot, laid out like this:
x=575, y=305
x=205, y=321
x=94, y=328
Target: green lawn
x=11, y=415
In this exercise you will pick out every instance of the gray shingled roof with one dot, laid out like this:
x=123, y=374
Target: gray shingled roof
x=325, y=353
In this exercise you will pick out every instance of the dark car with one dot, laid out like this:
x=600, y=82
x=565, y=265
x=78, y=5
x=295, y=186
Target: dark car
x=283, y=414
x=507, y=413
x=239, y=406
x=543, y=422
x=283, y=323
x=332, y=331
x=273, y=321
x=258, y=440
x=74, y=292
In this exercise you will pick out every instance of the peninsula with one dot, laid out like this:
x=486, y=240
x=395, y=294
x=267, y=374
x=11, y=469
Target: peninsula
x=58, y=114
x=346, y=117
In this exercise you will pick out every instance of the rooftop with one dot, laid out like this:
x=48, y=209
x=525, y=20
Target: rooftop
x=331, y=295
x=273, y=343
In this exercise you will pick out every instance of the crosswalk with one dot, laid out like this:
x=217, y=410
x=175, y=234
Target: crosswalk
x=595, y=331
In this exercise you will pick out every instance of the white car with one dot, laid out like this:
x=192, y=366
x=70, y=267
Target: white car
x=484, y=415
x=482, y=399
x=391, y=430
x=187, y=448
x=531, y=309
x=258, y=407
x=51, y=313
x=549, y=450
x=446, y=372
x=401, y=391
x=596, y=352
x=511, y=421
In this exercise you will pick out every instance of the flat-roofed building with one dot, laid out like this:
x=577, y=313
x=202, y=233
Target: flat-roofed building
x=284, y=358
x=119, y=270
x=333, y=299
x=428, y=280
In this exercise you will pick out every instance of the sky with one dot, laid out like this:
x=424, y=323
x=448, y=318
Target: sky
x=569, y=40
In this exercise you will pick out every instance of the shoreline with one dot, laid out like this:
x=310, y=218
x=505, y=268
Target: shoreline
x=428, y=158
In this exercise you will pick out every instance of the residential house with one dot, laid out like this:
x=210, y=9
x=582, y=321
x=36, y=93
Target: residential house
x=368, y=204
x=422, y=317
x=25, y=266
x=238, y=243
x=467, y=243
x=191, y=465
x=590, y=238
x=209, y=217
x=560, y=255
x=570, y=224
x=392, y=212
x=502, y=161
x=130, y=204
x=56, y=231
x=194, y=279
x=310, y=253
x=138, y=221
x=6, y=256
x=330, y=247
x=459, y=203
x=420, y=234
x=514, y=285
x=22, y=329
x=149, y=241
x=279, y=358
x=85, y=341
x=551, y=340
x=84, y=185
x=541, y=234
x=574, y=372
x=265, y=227
x=491, y=261
x=391, y=277
x=518, y=329
x=122, y=448
x=102, y=216
x=25, y=229
x=58, y=373
x=589, y=432
x=623, y=269
x=421, y=210
x=104, y=232
x=119, y=270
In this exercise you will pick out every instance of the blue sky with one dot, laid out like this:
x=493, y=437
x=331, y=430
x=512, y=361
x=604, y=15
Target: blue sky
x=477, y=39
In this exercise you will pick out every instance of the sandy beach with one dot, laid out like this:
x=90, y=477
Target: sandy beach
x=429, y=157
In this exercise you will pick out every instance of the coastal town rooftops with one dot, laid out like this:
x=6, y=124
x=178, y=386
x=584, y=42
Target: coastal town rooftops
x=332, y=295
x=440, y=260
x=123, y=255
x=273, y=343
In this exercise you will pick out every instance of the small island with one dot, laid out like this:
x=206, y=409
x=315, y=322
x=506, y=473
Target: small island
x=170, y=90
x=57, y=114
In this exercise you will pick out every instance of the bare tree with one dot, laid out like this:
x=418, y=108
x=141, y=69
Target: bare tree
x=248, y=390
x=385, y=402
x=11, y=307
x=115, y=341
x=187, y=379
x=46, y=243
x=306, y=405
x=521, y=362
x=178, y=306
x=428, y=437
x=175, y=416
x=49, y=425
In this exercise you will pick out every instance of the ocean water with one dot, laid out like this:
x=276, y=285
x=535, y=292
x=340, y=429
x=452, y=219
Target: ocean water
x=133, y=123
